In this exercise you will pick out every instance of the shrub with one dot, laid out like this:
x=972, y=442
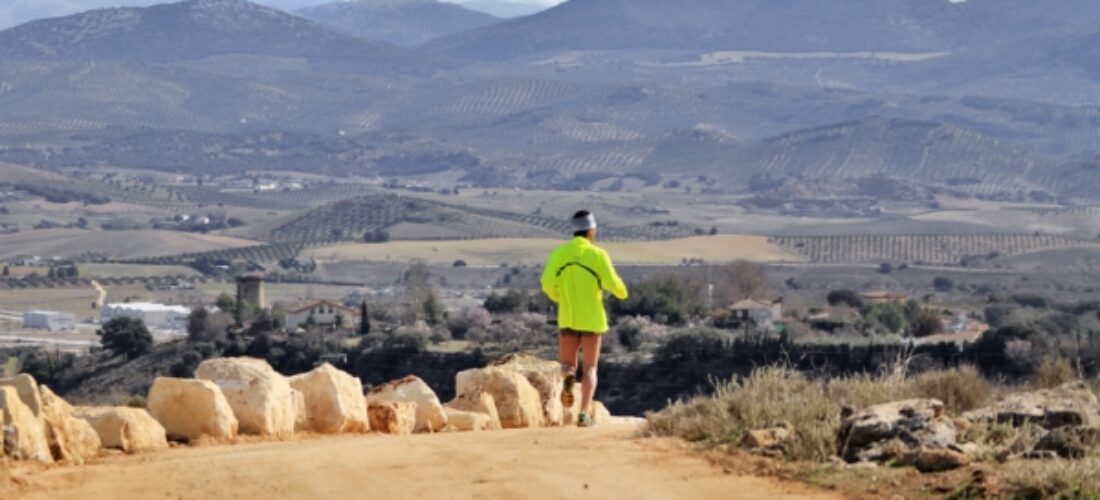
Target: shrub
x=845, y=297
x=126, y=337
x=961, y=390
x=943, y=284
x=468, y=319
x=632, y=333
x=1054, y=371
x=666, y=298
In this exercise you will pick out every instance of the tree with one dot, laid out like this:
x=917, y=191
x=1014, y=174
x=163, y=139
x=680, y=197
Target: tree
x=845, y=297
x=126, y=337
x=665, y=298
x=433, y=309
x=7, y=271
x=926, y=325
x=364, y=319
x=226, y=302
x=198, y=323
x=513, y=301
x=943, y=284
x=890, y=316
x=459, y=263
x=742, y=280
x=885, y=268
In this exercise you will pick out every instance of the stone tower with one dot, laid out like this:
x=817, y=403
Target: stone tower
x=250, y=292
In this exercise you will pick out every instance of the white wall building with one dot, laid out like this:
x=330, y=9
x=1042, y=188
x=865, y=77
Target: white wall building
x=155, y=316
x=323, y=312
x=49, y=320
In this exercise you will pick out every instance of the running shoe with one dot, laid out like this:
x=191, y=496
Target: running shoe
x=567, y=391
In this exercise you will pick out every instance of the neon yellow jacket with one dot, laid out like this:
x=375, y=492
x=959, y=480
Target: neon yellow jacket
x=577, y=273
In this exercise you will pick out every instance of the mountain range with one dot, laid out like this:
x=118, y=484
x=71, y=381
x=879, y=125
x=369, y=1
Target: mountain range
x=989, y=97
x=402, y=22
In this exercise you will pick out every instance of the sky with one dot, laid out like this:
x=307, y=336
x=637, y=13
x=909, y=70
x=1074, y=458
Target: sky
x=13, y=12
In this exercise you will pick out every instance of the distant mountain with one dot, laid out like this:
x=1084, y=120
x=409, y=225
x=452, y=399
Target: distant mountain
x=764, y=25
x=190, y=30
x=504, y=8
x=401, y=22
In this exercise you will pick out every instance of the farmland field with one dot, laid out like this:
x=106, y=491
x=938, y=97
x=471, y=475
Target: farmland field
x=924, y=249
x=96, y=270
x=121, y=244
x=493, y=252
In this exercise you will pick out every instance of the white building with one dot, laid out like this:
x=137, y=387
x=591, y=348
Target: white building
x=763, y=314
x=155, y=316
x=49, y=320
x=323, y=313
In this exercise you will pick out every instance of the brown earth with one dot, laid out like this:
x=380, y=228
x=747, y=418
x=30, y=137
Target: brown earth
x=603, y=462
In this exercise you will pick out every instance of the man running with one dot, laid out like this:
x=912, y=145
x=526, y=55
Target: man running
x=575, y=278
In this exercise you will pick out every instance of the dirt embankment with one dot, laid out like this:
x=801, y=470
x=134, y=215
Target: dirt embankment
x=566, y=463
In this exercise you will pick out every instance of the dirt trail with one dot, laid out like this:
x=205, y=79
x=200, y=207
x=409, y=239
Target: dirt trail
x=565, y=463
x=102, y=294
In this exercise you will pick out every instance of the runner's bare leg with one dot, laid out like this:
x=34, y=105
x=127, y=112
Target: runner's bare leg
x=590, y=344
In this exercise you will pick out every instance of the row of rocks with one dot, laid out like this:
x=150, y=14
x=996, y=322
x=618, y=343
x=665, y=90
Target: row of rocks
x=918, y=433
x=233, y=396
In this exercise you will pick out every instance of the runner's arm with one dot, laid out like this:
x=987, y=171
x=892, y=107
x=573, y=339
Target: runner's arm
x=610, y=278
x=550, y=279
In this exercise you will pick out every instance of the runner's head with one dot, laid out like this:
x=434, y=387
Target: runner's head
x=584, y=225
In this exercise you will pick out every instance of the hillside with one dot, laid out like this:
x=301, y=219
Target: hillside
x=401, y=22
x=406, y=218
x=188, y=30
x=792, y=26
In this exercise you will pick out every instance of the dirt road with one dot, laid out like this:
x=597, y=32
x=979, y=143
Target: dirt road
x=565, y=463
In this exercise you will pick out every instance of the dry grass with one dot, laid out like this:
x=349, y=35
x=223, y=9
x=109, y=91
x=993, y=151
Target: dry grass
x=1079, y=480
x=813, y=407
x=1054, y=372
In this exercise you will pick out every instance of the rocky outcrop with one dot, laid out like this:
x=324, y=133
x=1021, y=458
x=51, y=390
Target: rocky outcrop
x=24, y=431
x=430, y=416
x=459, y=420
x=261, y=398
x=518, y=402
x=131, y=430
x=71, y=440
x=545, y=376
x=477, y=401
x=27, y=389
x=770, y=440
x=1072, y=404
x=301, y=413
x=1073, y=442
x=190, y=409
x=895, y=430
x=392, y=417
x=931, y=460
x=334, y=400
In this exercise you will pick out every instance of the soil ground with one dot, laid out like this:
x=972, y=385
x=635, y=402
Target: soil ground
x=603, y=462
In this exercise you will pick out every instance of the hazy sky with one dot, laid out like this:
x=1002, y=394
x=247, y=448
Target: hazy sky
x=14, y=12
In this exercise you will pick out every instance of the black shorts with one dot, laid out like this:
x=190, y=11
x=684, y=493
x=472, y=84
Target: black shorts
x=574, y=333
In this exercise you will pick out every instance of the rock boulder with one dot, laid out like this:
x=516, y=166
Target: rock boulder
x=72, y=440
x=892, y=430
x=261, y=398
x=301, y=412
x=24, y=433
x=459, y=420
x=392, y=417
x=334, y=400
x=1073, y=442
x=190, y=409
x=1072, y=404
x=478, y=401
x=518, y=402
x=773, y=439
x=545, y=376
x=131, y=430
x=430, y=416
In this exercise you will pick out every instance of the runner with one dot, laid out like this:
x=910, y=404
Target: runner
x=576, y=276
